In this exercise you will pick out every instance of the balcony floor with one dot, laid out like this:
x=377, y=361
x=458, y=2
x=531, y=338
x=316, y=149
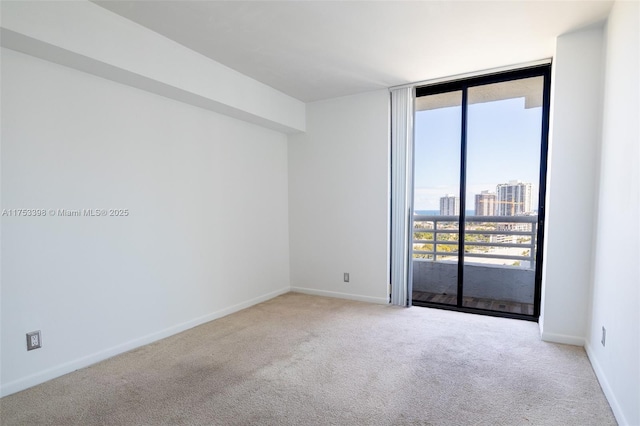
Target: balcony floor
x=475, y=302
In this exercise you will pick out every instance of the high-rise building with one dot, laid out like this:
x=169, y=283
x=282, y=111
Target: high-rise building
x=514, y=198
x=486, y=203
x=449, y=205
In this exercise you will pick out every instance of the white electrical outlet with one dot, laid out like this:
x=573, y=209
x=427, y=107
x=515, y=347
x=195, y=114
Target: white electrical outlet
x=346, y=277
x=34, y=340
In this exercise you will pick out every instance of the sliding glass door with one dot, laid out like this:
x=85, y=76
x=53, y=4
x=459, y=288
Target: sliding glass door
x=479, y=174
x=436, y=198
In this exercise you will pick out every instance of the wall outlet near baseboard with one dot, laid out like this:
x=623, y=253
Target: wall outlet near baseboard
x=34, y=340
x=346, y=277
x=604, y=336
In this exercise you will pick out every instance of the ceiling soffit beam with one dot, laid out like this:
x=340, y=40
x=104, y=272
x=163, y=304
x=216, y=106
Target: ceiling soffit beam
x=84, y=36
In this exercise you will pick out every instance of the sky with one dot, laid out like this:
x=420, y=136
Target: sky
x=503, y=144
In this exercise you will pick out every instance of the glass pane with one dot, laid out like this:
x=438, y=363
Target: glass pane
x=503, y=168
x=436, y=198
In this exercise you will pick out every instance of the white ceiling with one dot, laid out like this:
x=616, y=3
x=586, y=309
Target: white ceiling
x=315, y=50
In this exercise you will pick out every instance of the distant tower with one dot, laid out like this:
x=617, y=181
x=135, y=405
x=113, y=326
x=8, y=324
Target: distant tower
x=514, y=198
x=450, y=205
x=486, y=203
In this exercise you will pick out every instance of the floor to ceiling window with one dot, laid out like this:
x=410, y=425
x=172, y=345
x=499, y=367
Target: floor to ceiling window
x=480, y=151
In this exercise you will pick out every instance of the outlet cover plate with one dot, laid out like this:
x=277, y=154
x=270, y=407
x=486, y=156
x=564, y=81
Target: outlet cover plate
x=34, y=340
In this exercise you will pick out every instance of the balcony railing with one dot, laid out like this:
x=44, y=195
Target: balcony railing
x=487, y=239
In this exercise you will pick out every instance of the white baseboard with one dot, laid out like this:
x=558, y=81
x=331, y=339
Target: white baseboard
x=68, y=367
x=562, y=338
x=360, y=298
x=606, y=388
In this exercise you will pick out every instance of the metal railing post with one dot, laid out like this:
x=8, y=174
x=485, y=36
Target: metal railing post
x=435, y=239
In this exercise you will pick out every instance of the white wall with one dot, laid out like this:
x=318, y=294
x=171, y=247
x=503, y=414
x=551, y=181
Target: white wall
x=207, y=231
x=616, y=281
x=338, y=198
x=571, y=178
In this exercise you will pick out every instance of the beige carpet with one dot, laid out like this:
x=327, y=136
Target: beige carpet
x=308, y=360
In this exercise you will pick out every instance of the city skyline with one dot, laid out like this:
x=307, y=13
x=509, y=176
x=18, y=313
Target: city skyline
x=511, y=198
x=496, y=153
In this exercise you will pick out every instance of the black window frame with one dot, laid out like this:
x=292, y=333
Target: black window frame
x=463, y=85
